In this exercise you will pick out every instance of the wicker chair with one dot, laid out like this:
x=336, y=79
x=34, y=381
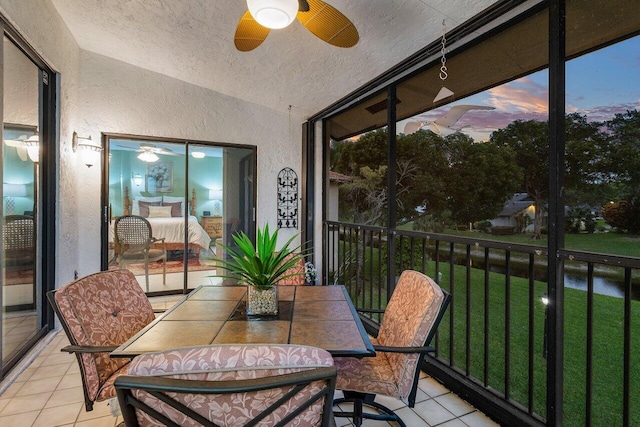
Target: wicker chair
x=229, y=385
x=135, y=244
x=98, y=313
x=18, y=242
x=410, y=321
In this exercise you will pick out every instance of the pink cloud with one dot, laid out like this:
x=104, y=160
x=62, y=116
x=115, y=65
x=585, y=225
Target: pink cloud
x=607, y=112
x=523, y=95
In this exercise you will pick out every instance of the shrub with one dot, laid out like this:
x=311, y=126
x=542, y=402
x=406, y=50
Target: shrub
x=483, y=225
x=622, y=215
x=503, y=230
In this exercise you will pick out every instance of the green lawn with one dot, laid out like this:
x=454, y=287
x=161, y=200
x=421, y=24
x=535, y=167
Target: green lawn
x=607, y=243
x=607, y=335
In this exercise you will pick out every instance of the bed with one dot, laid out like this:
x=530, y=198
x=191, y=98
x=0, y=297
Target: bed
x=170, y=228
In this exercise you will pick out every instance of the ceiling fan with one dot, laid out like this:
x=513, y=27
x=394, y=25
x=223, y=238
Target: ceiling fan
x=323, y=20
x=443, y=125
x=26, y=146
x=149, y=152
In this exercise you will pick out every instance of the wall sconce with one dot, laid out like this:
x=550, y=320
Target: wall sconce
x=9, y=191
x=89, y=151
x=137, y=180
x=216, y=196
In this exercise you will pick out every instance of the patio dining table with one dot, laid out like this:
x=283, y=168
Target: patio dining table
x=319, y=316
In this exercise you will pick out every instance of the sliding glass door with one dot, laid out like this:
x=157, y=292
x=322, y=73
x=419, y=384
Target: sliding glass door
x=188, y=197
x=26, y=157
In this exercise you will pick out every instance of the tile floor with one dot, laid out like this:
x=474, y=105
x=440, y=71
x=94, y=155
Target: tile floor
x=18, y=328
x=46, y=390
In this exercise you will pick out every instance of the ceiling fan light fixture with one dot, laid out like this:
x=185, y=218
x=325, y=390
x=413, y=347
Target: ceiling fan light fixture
x=274, y=14
x=148, y=156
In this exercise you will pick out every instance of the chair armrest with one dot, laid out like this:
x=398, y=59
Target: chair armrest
x=88, y=349
x=427, y=349
x=155, y=240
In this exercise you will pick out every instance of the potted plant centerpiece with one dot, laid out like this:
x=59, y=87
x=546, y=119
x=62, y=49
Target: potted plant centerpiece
x=260, y=267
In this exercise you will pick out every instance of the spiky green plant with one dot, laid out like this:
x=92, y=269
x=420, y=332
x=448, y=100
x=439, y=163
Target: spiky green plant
x=260, y=266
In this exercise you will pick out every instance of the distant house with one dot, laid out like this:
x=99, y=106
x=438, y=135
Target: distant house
x=518, y=212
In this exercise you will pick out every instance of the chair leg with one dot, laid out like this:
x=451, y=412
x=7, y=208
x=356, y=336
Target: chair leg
x=164, y=270
x=146, y=272
x=364, y=399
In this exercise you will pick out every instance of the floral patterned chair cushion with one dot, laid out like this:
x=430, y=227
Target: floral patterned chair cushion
x=223, y=363
x=101, y=310
x=410, y=315
x=299, y=274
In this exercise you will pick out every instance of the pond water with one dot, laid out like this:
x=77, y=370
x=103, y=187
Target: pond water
x=601, y=285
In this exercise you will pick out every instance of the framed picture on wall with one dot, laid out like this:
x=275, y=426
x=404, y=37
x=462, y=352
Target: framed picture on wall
x=160, y=177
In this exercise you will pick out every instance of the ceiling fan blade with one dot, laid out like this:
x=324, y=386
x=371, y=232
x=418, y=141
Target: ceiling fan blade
x=328, y=24
x=22, y=153
x=412, y=127
x=14, y=143
x=165, y=152
x=128, y=148
x=303, y=6
x=249, y=34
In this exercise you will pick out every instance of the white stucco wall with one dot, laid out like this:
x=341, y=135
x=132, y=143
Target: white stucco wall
x=118, y=97
x=100, y=94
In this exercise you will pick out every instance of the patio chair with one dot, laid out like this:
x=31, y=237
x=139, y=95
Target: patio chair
x=135, y=244
x=229, y=385
x=408, y=325
x=298, y=270
x=98, y=313
x=18, y=242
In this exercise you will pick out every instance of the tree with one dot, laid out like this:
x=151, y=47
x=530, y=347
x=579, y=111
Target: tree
x=587, y=172
x=368, y=195
x=529, y=141
x=624, y=152
x=482, y=176
x=420, y=167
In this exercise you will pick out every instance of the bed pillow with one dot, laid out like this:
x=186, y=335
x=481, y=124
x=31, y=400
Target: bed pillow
x=144, y=208
x=159, y=211
x=135, y=208
x=176, y=208
x=174, y=199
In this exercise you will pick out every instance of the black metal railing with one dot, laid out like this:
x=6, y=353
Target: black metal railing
x=491, y=347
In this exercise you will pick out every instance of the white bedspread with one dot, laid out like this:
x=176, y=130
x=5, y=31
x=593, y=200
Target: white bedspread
x=172, y=229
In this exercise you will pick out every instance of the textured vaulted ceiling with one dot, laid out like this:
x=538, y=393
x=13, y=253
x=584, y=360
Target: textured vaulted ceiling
x=192, y=40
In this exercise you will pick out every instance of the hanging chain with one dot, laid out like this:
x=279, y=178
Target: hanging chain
x=443, y=68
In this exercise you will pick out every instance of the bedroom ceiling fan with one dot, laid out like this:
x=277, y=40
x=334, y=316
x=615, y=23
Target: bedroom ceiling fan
x=149, y=152
x=26, y=146
x=323, y=20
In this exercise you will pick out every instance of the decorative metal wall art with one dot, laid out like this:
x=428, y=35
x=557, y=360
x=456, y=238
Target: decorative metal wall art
x=287, y=199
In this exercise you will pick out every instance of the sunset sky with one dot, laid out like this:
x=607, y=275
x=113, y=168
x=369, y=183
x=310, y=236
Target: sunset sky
x=599, y=84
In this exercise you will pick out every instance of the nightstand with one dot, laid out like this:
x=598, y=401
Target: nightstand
x=212, y=225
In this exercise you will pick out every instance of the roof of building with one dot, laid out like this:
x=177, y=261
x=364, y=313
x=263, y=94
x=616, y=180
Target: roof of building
x=517, y=203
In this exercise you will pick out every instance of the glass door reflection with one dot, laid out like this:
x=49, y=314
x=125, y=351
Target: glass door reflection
x=148, y=208
x=191, y=196
x=21, y=305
